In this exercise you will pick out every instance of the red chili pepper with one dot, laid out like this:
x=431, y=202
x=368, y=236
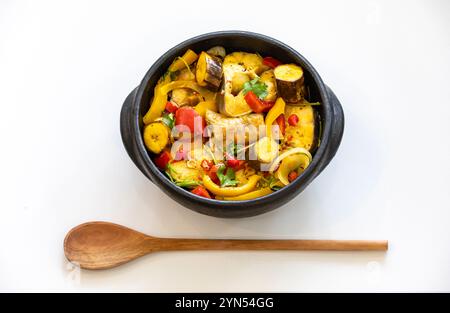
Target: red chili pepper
x=281, y=123
x=188, y=117
x=213, y=173
x=271, y=62
x=201, y=191
x=207, y=164
x=171, y=107
x=292, y=176
x=293, y=120
x=163, y=159
x=257, y=105
x=234, y=163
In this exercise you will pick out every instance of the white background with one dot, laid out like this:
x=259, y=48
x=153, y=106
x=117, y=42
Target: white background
x=66, y=67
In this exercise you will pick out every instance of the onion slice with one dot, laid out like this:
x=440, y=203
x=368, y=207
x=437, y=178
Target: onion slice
x=292, y=151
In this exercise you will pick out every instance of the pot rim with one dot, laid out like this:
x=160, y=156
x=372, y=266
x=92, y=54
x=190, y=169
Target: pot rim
x=305, y=177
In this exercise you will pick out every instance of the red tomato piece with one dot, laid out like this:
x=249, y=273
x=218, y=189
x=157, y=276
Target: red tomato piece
x=257, y=105
x=163, y=159
x=201, y=191
x=271, y=62
x=171, y=107
x=190, y=118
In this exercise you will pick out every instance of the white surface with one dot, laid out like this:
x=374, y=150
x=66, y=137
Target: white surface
x=66, y=67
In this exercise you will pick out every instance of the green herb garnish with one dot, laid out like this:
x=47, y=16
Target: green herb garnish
x=168, y=119
x=227, y=179
x=257, y=87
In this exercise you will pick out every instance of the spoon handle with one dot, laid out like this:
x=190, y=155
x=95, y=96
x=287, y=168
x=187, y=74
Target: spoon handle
x=167, y=244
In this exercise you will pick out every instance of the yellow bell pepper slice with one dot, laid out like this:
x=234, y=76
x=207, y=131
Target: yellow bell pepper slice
x=201, y=107
x=160, y=97
x=272, y=115
x=187, y=59
x=251, y=195
x=230, y=191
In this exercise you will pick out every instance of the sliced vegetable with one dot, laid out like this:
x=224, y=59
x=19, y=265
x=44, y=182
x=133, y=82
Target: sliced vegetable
x=205, y=105
x=157, y=106
x=205, y=93
x=266, y=149
x=160, y=97
x=234, y=163
x=271, y=62
x=257, y=105
x=289, y=82
x=185, y=97
x=243, y=174
x=163, y=159
x=281, y=122
x=238, y=68
x=268, y=78
x=251, y=62
x=187, y=59
x=305, y=133
x=287, y=153
x=290, y=163
x=233, y=106
x=156, y=137
x=209, y=71
x=185, y=74
x=171, y=107
x=188, y=183
x=238, y=82
x=201, y=191
x=251, y=195
x=190, y=118
x=230, y=191
x=181, y=173
x=212, y=173
x=273, y=114
x=217, y=51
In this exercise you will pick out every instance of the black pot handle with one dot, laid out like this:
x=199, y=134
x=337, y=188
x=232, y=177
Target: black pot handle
x=126, y=131
x=337, y=129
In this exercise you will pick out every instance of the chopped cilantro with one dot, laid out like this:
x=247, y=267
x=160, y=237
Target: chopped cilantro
x=257, y=87
x=226, y=179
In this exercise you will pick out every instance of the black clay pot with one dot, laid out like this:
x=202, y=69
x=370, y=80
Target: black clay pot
x=137, y=104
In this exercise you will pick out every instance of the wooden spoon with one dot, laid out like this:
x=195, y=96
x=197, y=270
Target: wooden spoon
x=101, y=245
